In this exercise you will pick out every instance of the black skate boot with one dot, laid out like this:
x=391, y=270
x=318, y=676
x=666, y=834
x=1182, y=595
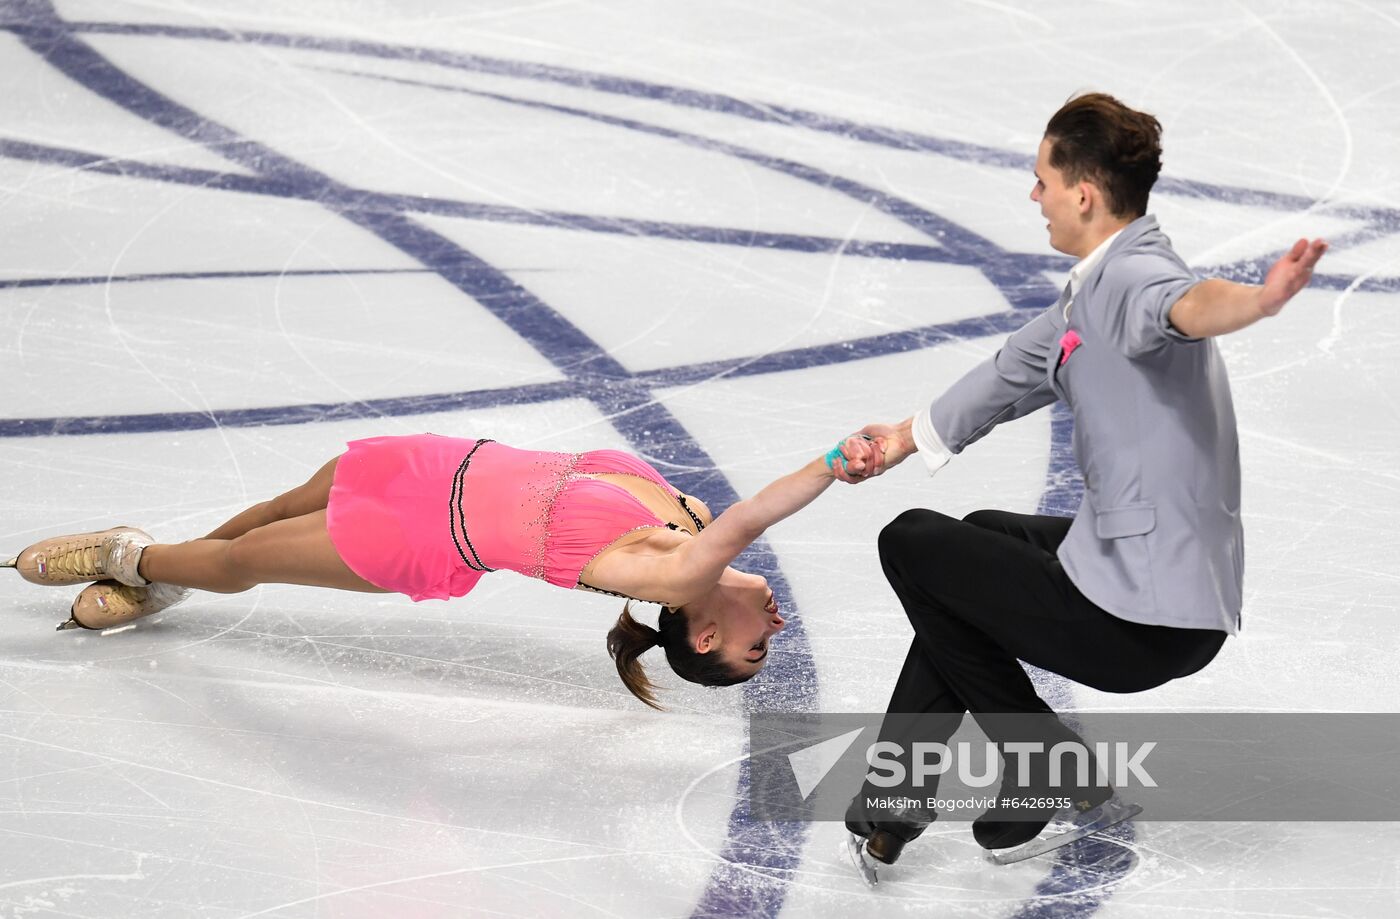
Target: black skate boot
x=1028, y=800
x=879, y=837
x=1004, y=827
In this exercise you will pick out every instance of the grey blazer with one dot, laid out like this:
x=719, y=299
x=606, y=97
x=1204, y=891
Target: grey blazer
x=1157, y=539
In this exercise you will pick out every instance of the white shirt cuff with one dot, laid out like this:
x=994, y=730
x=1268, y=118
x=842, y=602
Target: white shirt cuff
x=931, y=449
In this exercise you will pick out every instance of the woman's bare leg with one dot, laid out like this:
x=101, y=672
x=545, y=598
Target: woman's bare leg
x=311, y=495
x=294, y=550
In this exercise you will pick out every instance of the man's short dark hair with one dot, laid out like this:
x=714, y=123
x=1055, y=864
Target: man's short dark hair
x=1095, y=137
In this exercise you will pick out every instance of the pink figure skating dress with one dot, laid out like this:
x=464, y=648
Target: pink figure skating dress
x=427, y=516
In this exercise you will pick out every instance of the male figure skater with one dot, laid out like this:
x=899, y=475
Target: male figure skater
x=1143, y=585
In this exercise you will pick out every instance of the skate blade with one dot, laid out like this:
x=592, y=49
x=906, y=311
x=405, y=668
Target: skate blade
x=1109, y=814
x=853, y=848
x=69, y=623
x=12, y=563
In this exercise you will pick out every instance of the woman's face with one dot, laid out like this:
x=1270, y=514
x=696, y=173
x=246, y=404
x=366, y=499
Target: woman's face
x=738, y=621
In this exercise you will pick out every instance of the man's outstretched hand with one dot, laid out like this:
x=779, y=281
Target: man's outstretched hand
x=1290, y=274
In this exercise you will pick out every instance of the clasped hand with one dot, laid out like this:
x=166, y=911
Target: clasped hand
x=857, y=458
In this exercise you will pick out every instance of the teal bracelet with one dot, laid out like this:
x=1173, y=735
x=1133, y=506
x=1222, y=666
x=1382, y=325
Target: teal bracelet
x=835, y=453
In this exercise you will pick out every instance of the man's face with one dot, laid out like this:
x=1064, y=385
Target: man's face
x=1060, y=204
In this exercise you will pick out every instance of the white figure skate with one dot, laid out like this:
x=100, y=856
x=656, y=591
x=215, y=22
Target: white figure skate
x=111, y=603
x=61, y=560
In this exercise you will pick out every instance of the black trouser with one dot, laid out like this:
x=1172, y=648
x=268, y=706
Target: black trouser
x=987, y=590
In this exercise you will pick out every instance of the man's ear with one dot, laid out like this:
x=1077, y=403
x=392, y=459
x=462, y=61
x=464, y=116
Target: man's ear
x=1088, y=197
x=707, y=639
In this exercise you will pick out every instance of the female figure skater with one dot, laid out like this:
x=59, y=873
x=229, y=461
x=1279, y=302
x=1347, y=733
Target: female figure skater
x=427, y=516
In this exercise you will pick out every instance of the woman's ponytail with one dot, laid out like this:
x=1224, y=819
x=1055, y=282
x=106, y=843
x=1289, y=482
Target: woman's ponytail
x=627, y=641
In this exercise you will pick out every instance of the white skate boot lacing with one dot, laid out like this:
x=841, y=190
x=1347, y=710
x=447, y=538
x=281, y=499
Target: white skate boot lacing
x=82, y=561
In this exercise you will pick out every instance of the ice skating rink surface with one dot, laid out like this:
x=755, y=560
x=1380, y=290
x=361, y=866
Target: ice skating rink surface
x=236, y=235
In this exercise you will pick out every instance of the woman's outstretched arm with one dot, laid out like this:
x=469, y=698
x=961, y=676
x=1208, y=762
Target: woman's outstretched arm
x=699, y=562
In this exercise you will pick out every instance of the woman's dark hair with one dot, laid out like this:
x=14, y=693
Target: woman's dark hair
x=629, y=639
x=1098, y=138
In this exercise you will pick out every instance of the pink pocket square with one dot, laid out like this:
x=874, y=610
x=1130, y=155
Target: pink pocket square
x=1068, y=342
